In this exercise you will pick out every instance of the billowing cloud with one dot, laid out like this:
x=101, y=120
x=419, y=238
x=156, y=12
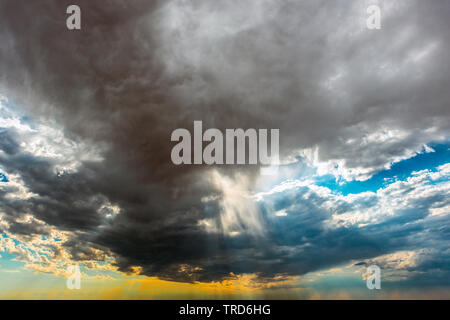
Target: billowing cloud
x=87, y=151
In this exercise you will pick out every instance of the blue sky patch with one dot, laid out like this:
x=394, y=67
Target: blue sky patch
x=398, y=171
x=3, y=178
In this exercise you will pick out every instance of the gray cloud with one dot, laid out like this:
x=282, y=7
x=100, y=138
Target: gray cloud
x=137, y=71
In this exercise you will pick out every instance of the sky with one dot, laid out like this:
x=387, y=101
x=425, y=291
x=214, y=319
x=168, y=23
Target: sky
x=86, y=176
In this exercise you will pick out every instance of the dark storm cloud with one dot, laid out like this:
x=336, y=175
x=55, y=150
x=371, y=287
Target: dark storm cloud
x=9, y=146
x=138, y=70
